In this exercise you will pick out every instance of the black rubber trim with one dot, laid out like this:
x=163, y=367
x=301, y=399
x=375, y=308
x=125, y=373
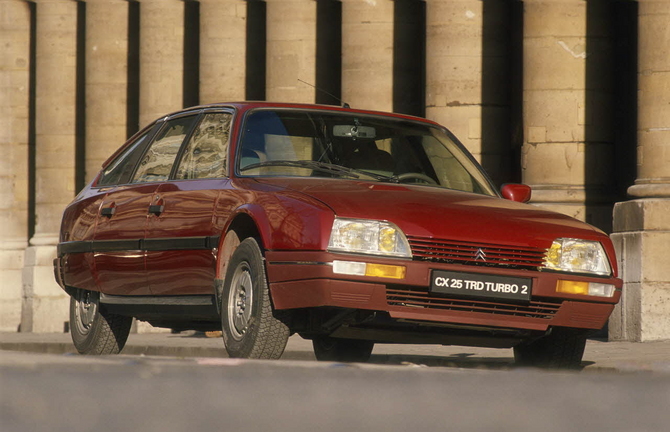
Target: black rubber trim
x=157, y=244
x=185, y=300
x=115, y=245
x=180, y=243
x=74, y=247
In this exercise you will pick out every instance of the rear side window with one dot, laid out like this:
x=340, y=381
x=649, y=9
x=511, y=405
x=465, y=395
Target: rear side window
x=206, y=151
x=119, y=171
x=157, y=162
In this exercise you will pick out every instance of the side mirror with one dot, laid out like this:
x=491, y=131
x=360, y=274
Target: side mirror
x=516, y=192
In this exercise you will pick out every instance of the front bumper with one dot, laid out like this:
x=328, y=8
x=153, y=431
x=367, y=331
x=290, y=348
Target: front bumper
x=306, y=280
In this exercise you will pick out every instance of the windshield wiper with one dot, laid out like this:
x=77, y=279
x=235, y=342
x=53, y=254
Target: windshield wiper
x=320, y=166
x=380, y=177
x=324, y=167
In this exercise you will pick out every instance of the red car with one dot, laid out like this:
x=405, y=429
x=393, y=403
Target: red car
x=348, y=227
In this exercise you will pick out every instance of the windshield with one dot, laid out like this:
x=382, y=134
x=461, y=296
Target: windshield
x=343, y=145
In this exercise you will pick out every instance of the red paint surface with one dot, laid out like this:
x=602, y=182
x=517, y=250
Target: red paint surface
x=294, y=216
x=123, y=272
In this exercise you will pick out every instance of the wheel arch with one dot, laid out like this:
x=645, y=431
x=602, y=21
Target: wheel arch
x=251, y=220
x=242, y=225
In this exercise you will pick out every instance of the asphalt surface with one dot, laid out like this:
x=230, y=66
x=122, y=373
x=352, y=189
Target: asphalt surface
x=600, y=355
x=71, y=393
x=185, y=382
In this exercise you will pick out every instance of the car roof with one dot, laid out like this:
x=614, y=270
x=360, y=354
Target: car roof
x=249, y=105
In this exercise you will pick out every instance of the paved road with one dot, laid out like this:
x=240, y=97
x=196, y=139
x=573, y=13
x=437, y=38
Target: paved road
x=45, y=392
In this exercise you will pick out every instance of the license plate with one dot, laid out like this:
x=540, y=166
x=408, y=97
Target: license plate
x=480, y=285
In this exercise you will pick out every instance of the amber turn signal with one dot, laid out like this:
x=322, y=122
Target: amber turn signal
x=572, y=287
x=387, y=271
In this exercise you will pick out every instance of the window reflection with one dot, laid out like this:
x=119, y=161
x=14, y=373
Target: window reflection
x=158, y=160
x=205, y=153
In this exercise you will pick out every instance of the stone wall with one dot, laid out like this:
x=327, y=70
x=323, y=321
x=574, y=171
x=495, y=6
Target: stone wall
x=540, y=91
x=642, y=225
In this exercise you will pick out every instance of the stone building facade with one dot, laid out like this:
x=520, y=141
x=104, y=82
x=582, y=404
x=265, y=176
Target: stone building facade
x=569, y=96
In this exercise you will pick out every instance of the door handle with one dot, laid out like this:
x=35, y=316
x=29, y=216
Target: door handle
x=108, y=211
x=156, y=209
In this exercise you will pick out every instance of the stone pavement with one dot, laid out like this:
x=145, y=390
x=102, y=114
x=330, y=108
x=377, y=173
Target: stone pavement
x=600, y=356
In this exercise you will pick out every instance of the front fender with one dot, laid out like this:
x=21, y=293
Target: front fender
x=286, y=223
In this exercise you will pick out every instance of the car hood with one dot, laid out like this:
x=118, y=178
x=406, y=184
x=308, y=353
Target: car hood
x=424, y=211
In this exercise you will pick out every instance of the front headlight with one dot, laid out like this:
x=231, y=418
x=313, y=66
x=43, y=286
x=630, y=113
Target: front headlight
x=368, y=237
x=577, y=256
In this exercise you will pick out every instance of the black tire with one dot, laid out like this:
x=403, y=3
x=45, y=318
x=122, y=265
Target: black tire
x=94, y=331
x=250, y=329
x=563, y=348
x=327, y=348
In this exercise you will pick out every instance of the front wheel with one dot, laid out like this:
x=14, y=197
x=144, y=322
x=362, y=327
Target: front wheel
x=250, y=329
x=93, y=330
x=327, y=348
x=563, y=348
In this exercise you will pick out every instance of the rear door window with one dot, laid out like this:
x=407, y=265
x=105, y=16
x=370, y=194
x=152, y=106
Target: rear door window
x=157, y=162
x=120, y=170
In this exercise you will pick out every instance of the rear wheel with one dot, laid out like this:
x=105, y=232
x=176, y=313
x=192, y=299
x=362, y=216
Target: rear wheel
x=563, y=348
x=93, y=330
x=327, y=348
x=250, y=329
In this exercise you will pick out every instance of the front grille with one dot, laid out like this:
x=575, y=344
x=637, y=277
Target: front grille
x=479, y=254
x=420, y=298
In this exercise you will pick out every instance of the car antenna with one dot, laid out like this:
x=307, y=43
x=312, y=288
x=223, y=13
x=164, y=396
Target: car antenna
x=344, y=104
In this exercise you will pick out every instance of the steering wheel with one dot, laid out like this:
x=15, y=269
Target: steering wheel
x=416, y=176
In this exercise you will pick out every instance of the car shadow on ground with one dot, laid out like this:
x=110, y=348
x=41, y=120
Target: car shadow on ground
x=461, y=360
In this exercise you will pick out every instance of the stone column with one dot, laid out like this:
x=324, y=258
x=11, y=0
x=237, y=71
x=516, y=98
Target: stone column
x=291, y=50
x=161, y=58
x=367, y=54
x=106, y=80
x=222, y=50
x=567, y=150
x=45, y=304
x=456, y=66
x=14, y=92
x=642, y=225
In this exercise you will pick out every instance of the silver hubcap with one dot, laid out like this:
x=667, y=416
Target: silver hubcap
x=87, y=308
x=240, y=301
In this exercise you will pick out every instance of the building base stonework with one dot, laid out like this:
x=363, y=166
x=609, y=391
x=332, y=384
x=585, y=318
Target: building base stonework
x=11, y=266
x=45, y=306
x=641, y=238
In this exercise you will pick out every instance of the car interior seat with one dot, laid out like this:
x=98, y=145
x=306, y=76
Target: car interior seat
x=367, y=156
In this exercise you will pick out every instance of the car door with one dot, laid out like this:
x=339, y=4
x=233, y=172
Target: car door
x=118, y=260
x=120, y=253
x=180, y=239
